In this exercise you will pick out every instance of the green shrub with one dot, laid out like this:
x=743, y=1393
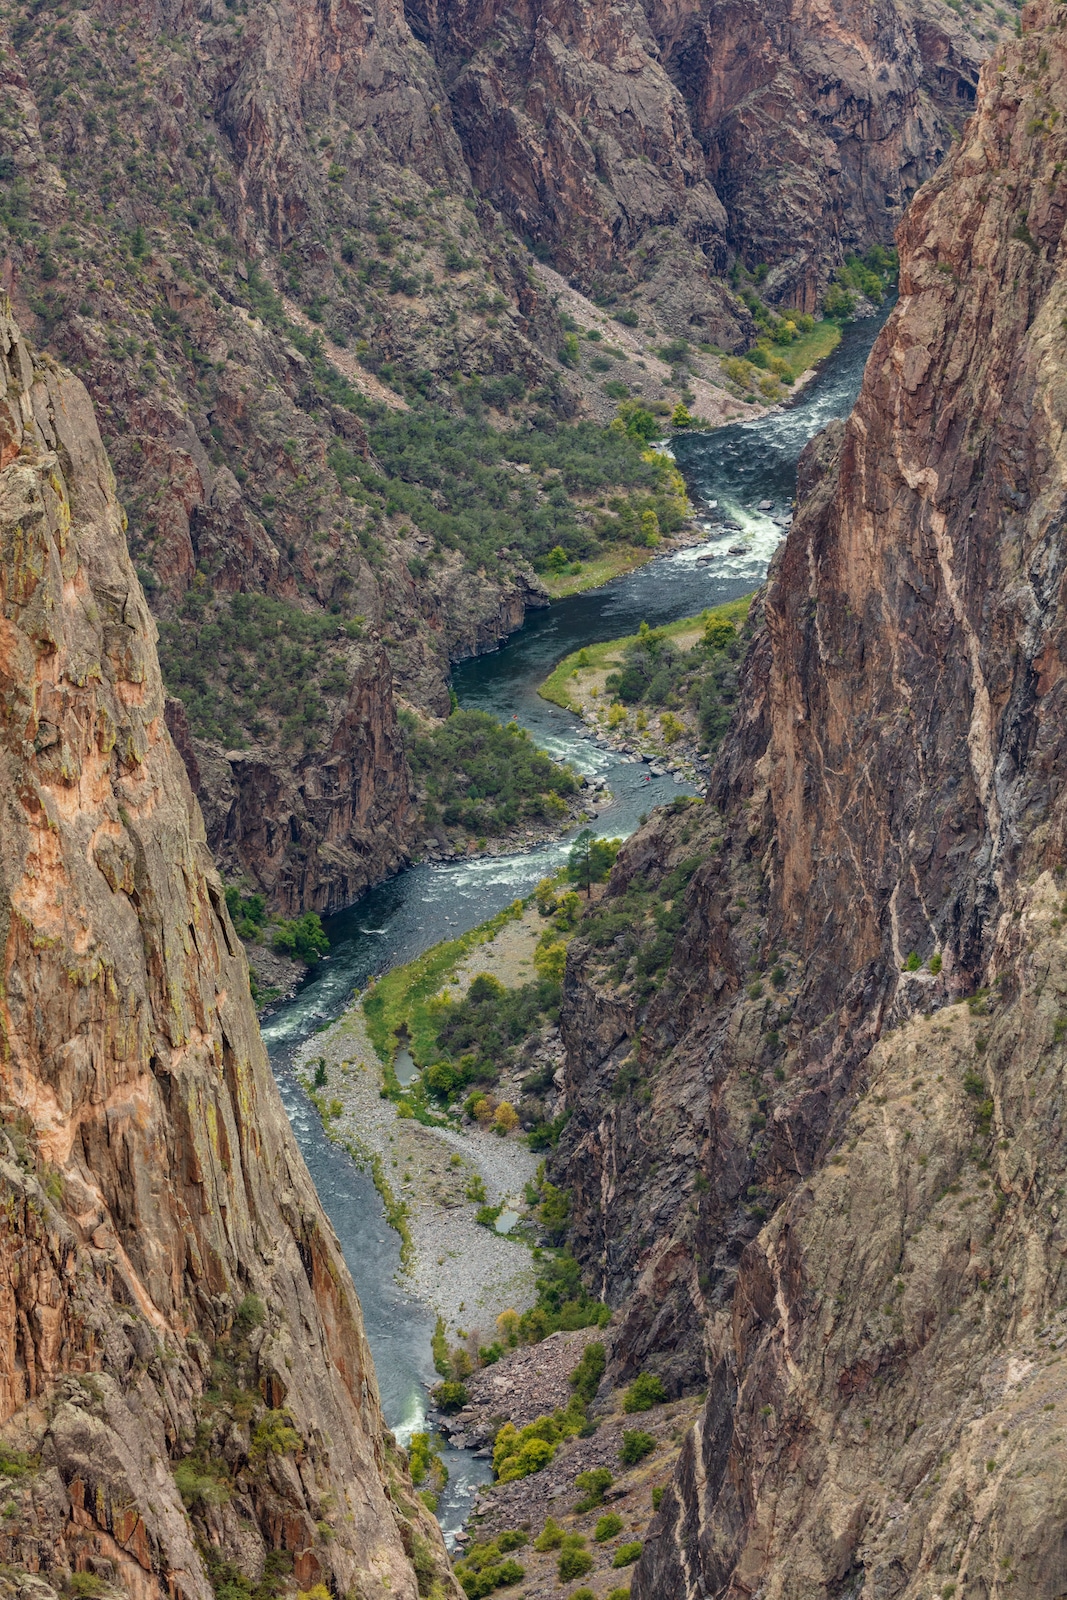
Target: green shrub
x=202, y=1483
x=574, y=1563
x=585, y=1379
x=618, y=1594
x=635, y=1446
x=450, y=1396
x=251, y=1313
x=645, y=1392
x=484, y=1568
x=303, y=938
x=657, y=1496
x=626, y=1554
x=592, y=1485
x=275, y=1435
x=607, y=1527
x=84, y=1586
x=16, y=1463
x=550, y=1537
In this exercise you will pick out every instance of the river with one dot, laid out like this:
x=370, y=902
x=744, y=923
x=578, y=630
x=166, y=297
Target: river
x=739, y=468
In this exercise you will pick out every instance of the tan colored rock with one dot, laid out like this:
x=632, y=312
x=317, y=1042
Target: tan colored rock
x=170, y=1289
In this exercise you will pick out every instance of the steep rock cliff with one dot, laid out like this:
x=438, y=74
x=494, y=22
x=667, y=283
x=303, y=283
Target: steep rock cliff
x=819, y=123
x=640, y=147
x=885, y=834
x=187, y=1398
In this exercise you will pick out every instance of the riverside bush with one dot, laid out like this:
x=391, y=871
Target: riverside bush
x=656, y=673
x=486, y=777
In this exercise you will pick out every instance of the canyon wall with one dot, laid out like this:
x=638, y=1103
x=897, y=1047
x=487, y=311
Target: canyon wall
x=231, y=219
x=187, y=1399
x=820, y=1168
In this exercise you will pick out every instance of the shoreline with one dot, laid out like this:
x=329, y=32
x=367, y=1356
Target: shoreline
x=467, y=1273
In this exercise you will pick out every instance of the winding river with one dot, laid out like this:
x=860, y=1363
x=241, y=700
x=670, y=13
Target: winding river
x=731, y=473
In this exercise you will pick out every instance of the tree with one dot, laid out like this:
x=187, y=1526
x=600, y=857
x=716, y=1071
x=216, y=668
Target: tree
x=680, y=416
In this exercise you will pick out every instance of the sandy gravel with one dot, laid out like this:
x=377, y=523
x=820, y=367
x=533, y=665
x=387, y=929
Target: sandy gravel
x=468, y=1273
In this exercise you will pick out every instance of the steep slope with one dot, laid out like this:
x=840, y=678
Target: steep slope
x=187, y=1399
x=641, y=152
x=818, y=122
x=259, y=233
x=885, y=835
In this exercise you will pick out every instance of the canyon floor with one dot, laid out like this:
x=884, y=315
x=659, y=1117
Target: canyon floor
x=468, y=1273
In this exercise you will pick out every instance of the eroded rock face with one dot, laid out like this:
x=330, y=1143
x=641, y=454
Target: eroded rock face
x=811, y=1177
x=819, y=123
x=649, y=142
x=160, y=1239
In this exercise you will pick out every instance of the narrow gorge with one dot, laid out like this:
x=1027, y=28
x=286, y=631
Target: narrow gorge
x=338, y=345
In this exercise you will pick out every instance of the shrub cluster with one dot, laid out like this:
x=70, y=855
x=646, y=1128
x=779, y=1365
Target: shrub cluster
x=655, y=673
x=486, y=777
x=249, y=667
x=485, y=1567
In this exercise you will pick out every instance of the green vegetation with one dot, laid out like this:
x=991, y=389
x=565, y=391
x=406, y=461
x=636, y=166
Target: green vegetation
x=550, y=1537
x=872, y=275
x=574, y=1562
x=249, y=668
x=591, y=859
x=433, y=460
x=645, y=1392
x=636, y=931
x=484, y=777
x=303, y=938
x=485, y=1567
x=626, y=1554
x=593, y=1485
x=450, y=1395
x=658, y=677
x=703, y=680
x=635, y=1446
x=607, y=1527
x=16, y=1463
x=518, y=1452
x=402, y=1005
x=585, y=1379
x=426, y=1467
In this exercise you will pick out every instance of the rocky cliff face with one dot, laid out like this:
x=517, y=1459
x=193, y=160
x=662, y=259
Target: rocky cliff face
x=818, y=123
x=812, y=1175
x=187, y=1400
x=643, y=147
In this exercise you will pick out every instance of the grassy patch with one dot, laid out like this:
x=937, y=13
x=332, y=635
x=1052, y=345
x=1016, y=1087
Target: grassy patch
x=614, y=563
x=562, y=688
x=400, y=1005
x=811, y=348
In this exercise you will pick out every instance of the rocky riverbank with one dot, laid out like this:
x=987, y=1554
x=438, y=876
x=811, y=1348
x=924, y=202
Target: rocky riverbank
x=468, y=1273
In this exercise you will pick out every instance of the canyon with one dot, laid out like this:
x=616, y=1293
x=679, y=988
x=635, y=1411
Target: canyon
x=186, y=1394
x=259, y=233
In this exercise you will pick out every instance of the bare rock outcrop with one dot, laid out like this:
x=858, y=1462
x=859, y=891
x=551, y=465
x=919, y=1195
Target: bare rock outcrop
x=818, y=1168
x=186, y=1394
